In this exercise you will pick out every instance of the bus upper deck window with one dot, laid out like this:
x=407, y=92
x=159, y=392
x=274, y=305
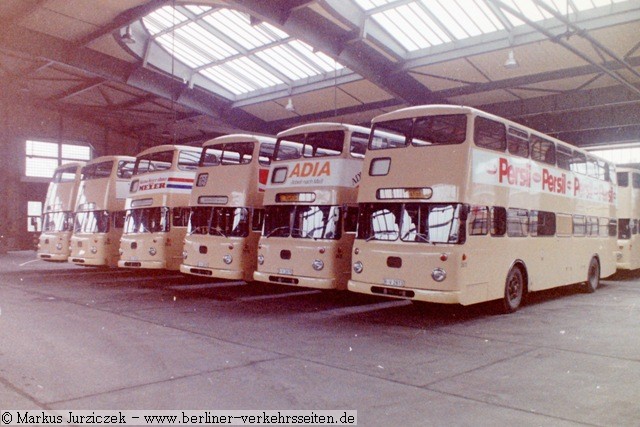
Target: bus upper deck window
x=490, y=134
x=543, y=150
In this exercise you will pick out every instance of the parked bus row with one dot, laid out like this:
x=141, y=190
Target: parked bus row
x=435, y=203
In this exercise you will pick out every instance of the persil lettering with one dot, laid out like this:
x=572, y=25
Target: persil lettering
x=513, y=174
x=554, y=183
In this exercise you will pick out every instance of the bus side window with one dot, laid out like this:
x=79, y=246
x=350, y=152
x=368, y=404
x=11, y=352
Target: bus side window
x=517, y=222
x=498, y=221
x=478, y=220
x=351, y=219
x=490, y=134
x=579, y=225
x=543, y=150
x=592, y=226
x=518, y=142
x=542, y=223
x=257, y=219
x=613, y=227
x=118, y=219
x=180, y=217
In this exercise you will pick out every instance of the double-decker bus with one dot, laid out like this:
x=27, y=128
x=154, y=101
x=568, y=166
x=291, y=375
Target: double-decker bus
x=57, y=214
x=460, y=206
x=628, y=219
x=226, y=207
x=310, y=206
x=99, y=212
x=157, y=208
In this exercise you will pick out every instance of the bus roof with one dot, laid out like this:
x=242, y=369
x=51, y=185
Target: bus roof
x=431, y=109
x=238, y=137
x=169, y=147
x=70, y=164
x=108, y=158
x=322, y=127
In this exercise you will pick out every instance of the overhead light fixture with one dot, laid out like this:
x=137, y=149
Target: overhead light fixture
x=127, y=38
x=289, y=106
x=511, y=61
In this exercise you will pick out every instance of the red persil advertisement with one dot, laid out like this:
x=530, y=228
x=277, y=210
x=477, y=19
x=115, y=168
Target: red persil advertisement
x=510, y=171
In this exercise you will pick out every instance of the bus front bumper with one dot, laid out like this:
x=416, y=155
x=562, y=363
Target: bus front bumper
x=94, y=262
x=152, y=265
x=53, y=257
x=440, y=297
x=212, y=272
x=305, y=282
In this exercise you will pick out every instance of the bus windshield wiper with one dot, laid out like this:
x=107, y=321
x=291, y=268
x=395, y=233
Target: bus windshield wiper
x=283, y=227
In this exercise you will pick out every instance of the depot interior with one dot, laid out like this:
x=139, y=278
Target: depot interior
x=117, y=77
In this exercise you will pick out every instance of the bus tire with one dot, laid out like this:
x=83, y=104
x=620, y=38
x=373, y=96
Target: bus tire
x=513, y=291
x=593, y=276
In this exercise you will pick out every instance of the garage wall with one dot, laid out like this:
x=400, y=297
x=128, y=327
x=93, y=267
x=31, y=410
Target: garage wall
x=19, y=122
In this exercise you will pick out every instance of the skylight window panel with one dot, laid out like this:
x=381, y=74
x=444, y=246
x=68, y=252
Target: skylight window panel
x=486, y=19
x=167, y=17
x=321, y=60
x=281, y=58
x=599, y=3
x=386, y=20
x=365, y=4
x=236, y=26
x=412, y=25
x=152, y=27
x=275, y=33
x=253, y=72
x=448, y=21
x=208, y=42
x=197, y=10
x=227, y=80
x=428, y=28
x=462, y=17
x=182, y=51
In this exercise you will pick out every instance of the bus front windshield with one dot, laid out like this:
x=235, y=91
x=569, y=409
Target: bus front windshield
x=421, y=131
x=313, y=144
x=57, y=221
x=303, y=222
x=147, y=220
x=92, y=222
x=219, y=221
x=412, y=222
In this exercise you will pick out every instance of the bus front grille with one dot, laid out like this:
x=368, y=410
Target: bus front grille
x=392, y=291
x=285, y=280
x=200, y=271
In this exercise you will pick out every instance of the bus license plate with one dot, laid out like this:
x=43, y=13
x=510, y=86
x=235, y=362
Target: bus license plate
x=394, y=282
x=287, y=271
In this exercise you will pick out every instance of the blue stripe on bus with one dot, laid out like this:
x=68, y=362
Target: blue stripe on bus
x=184, y=187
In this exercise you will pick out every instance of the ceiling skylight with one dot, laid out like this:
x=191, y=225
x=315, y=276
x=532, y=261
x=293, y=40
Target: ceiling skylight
x=237, y=54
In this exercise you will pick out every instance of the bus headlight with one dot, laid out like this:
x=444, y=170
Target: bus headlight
x=260, y=259
x=317, y=264
x=358, y=267
x=152, y=251
x=185, y=254
x=438, y=274
x=227, y=259
x=59, y=246
x=94, y=250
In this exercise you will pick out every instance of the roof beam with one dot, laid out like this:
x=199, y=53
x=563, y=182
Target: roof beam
x=42, y=46
x=307, y=25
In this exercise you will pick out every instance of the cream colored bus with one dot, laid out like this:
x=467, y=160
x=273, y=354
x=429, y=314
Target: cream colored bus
x=57, y=215
x=460, y=206
x=157, y=208
x=226, y=207
x=310, y=206
x=99, y=213
x=628, y=219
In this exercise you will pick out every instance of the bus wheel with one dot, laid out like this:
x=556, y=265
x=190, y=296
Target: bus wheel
x=513, y=291
x=593, y=276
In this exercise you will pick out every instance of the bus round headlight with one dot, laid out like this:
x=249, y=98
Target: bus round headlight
x=59, y=246
x=260, y=259
x=438, y=274
x=94, y=250
x=317, y=264
x=152, y=251
x=227, y=259
x=358, y=267
x=185, y=254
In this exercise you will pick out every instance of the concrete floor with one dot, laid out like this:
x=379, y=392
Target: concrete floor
x=79, y=338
